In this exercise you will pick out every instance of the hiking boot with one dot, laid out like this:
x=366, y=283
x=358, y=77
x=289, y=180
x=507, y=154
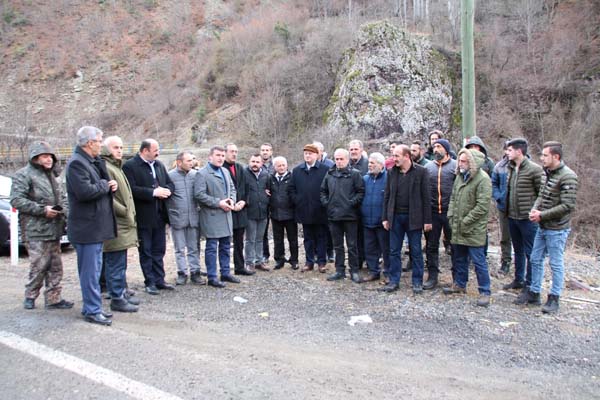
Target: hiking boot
x=504, y=268
x=551, y=305
x=483, y=300
x=528, y=297
x=197, y=279
x=514, y=285
x=181, y=279
x=29, y=304
x=454, y=289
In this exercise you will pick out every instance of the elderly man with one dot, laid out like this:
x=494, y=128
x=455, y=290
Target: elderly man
x=376, y=238
x=442, y=173
x=37, y=194
x=239, y=214
x=257, y=208
x=524, y=178
x=342, y=192
x=468, y=215
x=305, y=189
x=115, y=250
x=151, y=187
x=183, y=218
x=281, y=208
x=407, y=210
x=91, y=218
x=552, y=211
x=215, y=193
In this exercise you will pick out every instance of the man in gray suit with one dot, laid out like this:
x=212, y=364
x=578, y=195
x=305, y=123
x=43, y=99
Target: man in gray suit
x=183, y=218
x=215, y=193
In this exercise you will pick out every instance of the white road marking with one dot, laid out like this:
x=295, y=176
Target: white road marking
x=84, y=368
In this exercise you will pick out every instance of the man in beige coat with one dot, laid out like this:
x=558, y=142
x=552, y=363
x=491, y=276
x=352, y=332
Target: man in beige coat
x=115, y=250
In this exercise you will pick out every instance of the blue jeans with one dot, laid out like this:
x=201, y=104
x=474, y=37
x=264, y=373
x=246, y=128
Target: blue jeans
x=399, y=229
x=522, y=233
x=222, y=246
x=89, y=266
x=461, y=255
x=552, y=243
x=115, y=265
x=377, y=244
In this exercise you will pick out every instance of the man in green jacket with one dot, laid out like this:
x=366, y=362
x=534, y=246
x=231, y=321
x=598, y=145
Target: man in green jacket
x=468, y=215
x=115, y=250
x=524, y=177
x=552, y=211
x=40, y=199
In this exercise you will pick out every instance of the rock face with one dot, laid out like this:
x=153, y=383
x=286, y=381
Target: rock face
x=391, y=82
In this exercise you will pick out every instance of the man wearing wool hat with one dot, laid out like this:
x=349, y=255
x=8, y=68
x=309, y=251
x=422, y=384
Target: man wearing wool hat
x=304, y=190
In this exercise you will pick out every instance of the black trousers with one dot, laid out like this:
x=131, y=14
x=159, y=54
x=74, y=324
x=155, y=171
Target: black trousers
x=266, y=252
x=238, y=249
x=152, y=250
x=439, y=223
x=349, y=230
x=280, y=228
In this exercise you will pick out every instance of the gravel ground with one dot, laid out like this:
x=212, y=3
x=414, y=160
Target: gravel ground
x=303, y=309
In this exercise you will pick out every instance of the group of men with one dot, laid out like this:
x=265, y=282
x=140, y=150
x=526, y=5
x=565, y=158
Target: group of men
x=359, y=205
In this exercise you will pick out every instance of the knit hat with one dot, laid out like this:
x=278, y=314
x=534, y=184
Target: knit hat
x=312, y=148
x=445, y=144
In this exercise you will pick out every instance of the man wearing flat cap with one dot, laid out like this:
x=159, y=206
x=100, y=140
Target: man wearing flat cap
x=304, y=190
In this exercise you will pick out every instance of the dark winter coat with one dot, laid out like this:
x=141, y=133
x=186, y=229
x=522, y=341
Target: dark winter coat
x=305, y=190
x=419, y=204
x=91, y=218
x=441, y=181
x=257, y=201
x=33, y=188
x=557, y=198
x=281, y=205
x=371, y=208
x=240, y=218
x=523, y=188
x=342, y=191
x=147, y=207
x=488, y=163
x=362, y=165
x=499, y=183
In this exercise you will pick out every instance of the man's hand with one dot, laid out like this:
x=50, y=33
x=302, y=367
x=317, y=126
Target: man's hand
x=239, y=206
x=535, y=216
x=50, y=212
x=386, y=225
x=161, y=193
x=427, y=227
x=226, y=205
x=112, y=185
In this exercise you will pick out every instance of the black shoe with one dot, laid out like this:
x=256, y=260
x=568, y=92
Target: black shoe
x=528, y=297
x=99, y=319
x=230, y=278
x=107, y=314
x=244, y=271
x=278, y=266
x=29, y=304
x=551, y=305
x=215, y=283
x=197, y=279
x=122, y=305
x=151, y=289
x=504, y=268
x=132, y=299
x=331, y=260
x=181, y=279
x=514, y=285
x=294, y=266
x=356, y=277
x=417, y=289
x=164, y=286
x=430, y=283
x=61, y=305
x=336, y=277
x=389, y=288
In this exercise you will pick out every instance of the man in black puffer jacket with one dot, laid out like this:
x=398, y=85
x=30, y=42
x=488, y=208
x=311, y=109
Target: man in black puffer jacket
x=342, y=192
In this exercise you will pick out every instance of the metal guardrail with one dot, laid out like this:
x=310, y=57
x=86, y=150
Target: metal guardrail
x=64, y=153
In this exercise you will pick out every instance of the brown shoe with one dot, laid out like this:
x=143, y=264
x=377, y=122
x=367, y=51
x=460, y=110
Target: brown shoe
x=370, y=278
x=262, y=267
x=307, y=267
x=322, y=268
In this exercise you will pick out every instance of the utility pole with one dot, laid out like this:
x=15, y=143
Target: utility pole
x=468, y=69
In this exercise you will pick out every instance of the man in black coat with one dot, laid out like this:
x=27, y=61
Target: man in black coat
x=239, y=213
x=342, y=192
x=281, y=208
x=304, y=190
x=91, y=219
x=407, y=210
x=258, y=207
x=151, y=186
